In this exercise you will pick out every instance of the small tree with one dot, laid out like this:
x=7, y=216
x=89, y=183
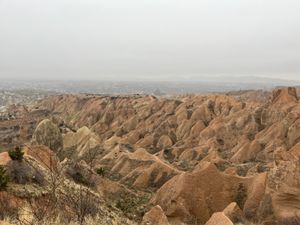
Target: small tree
x=16, y=154
x=4, y=178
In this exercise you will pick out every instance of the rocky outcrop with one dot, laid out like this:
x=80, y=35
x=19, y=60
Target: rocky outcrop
x=295, y=151
x=234, y=212
x=284, y=181
x=284, y=96
x=155, y=216
x=139, y=168
x=219, y=219
x=48, y=134
x=293, y=134
x=82, y=144
x=164, y=142
x=246, y=152
x=17, y=124
x=196, y=194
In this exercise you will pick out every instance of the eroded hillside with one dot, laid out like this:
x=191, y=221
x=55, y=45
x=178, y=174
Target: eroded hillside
x=194, y=159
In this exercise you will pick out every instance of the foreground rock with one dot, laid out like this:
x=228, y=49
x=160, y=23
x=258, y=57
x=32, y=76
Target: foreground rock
x=201, y=193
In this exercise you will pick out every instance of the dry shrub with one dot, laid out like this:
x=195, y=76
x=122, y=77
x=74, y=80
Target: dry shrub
x=9, y=206
x=79, y=176
x=22, y=173
x=4, y=178
x=131, y=205
x=81, y=203
x=43, y=208
x=90, y=220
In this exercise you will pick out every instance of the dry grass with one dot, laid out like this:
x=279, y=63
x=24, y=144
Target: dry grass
x=97, y=220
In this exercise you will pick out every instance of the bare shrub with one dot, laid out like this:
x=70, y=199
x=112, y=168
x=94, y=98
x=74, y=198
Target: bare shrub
x=80, y=174
x=8, y=206
x=21, y=172
x=54, y=171
x=67, y=198
x=4, y=178
x=82, y=204
x=91, y=156
x=42, y=208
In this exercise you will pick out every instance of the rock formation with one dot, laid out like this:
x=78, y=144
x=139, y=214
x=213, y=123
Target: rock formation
x=48, y=134
x=210, y=159
x=155, y=216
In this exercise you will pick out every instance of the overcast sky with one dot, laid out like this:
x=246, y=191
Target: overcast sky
x=151, y=39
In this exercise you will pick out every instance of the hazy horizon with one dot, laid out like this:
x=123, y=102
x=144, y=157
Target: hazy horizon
x=149, y=40
x=166, y=78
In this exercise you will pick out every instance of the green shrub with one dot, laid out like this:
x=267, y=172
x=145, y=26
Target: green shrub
x=16, y=154
x=4, y=178
x=101, y=171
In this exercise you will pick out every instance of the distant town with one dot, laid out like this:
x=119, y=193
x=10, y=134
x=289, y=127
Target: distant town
x=27, y=91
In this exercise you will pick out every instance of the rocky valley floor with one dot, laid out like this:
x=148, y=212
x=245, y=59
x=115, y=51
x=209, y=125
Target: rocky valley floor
x=218, y=159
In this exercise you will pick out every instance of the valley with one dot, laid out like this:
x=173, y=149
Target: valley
x=192, y=159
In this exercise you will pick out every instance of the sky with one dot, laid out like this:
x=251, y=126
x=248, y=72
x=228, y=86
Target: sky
x=149, y=39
